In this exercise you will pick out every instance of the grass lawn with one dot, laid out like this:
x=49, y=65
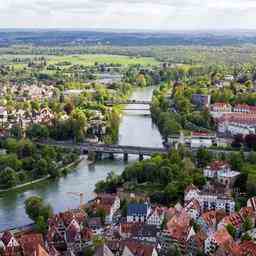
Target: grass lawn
x=90, y=59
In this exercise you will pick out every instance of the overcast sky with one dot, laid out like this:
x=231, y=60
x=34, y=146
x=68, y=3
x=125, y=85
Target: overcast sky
x=129, y=14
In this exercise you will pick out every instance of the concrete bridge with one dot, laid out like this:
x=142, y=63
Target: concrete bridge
x=127, y=102
x=99, y=149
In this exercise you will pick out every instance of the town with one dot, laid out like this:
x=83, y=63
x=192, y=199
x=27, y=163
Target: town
x=110, y=149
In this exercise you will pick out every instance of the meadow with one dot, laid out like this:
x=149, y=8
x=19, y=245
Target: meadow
x=90, y=59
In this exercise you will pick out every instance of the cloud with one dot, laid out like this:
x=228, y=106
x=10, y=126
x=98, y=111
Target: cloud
x=150, y=14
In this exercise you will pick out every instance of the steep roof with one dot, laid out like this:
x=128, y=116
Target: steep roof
x=103, y=250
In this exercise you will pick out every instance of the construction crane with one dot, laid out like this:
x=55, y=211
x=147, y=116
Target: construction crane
x=81, y=195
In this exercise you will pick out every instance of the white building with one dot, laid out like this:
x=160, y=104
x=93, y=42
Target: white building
x=156, y=217
x=208, y=200
x=237, y=123
x=221, y=171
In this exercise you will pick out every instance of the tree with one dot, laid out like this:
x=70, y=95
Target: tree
x=41, y=225
x=8, y=177
x=204, y=157
x=35, y=208
x=231, y=230
x=42, y=168
x=38, y=131
x=247, y=225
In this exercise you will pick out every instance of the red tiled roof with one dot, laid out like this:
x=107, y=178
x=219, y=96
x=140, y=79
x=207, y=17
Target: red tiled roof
x=248, y=248
x=218, y=165
x=30, y=242
x=222, y=237
x=241, y=118
x=235, y=219
x=245, y=107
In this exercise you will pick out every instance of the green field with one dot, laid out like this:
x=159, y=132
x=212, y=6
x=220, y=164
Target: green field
x=90, y=59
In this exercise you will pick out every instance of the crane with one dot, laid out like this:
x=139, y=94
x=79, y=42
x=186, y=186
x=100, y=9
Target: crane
x=81, y=195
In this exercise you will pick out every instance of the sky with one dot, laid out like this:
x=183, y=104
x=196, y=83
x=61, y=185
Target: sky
x=129, y=14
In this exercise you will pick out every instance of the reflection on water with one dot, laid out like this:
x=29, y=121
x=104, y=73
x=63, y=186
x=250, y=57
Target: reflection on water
x=136, y=129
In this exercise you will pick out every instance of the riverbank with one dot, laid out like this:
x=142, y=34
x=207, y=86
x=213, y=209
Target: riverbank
x=28, y=185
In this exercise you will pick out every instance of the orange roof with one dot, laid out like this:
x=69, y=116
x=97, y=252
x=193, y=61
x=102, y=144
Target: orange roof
x=248, y=248
x=235, y=219
x=222, y=237
x=30, y=242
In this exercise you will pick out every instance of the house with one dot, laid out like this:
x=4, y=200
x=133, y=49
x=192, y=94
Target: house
x=248, y=248
x=201, y=139
x=31, y=244
x=148, y=233
x=178, y=231
x=209, y=221
x=201, y=100
x=251, y=202
x=65, y=231
x=210, y=200
x=127, y=230
x=195, y=243
x=156, y=216
x=110, y=203
x=3, y=114
x=229, y=78
x=103, y=250
x=221, y=171
x=95, y=223
x=218, y=239
x=237, y=123
x=138, y=212
x=131, y=248
x=244, y=108
x=10, y=244
x=193, y=208
x=233, y=219
x=218, y=108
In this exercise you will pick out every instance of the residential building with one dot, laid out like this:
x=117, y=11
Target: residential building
x=216, y=240
x=156, y=217
x=221, y=171
x=252, y=203
x=244, y=108
x=110, y=203
x=237, y=123
x=201, y=100
x=138, y=212
x=210, y=200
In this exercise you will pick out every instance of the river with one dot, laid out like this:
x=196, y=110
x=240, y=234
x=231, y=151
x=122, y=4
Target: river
x=136, y=129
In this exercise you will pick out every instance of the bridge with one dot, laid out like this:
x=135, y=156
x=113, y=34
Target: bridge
x=127, y=102
x=99, y=149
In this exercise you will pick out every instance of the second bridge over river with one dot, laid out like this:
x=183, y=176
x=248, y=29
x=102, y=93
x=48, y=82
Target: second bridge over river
x=100, y=149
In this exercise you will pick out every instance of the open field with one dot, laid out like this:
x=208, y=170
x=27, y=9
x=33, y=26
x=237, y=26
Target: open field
x=90, y=59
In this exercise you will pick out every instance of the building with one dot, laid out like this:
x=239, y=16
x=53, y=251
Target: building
x=138, y=212
x=221, y=171
x=244, y=108
x=252, y=203
x=110, y=203
x=237, y=123
x=178, y=231
x=221, y=107
x=210, y=200
x=132, y=248
x=66, y=231
x=201, y=100
x=218, y=239
x=156, y=216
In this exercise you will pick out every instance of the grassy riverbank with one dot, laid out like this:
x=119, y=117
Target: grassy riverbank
x=29, y=185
